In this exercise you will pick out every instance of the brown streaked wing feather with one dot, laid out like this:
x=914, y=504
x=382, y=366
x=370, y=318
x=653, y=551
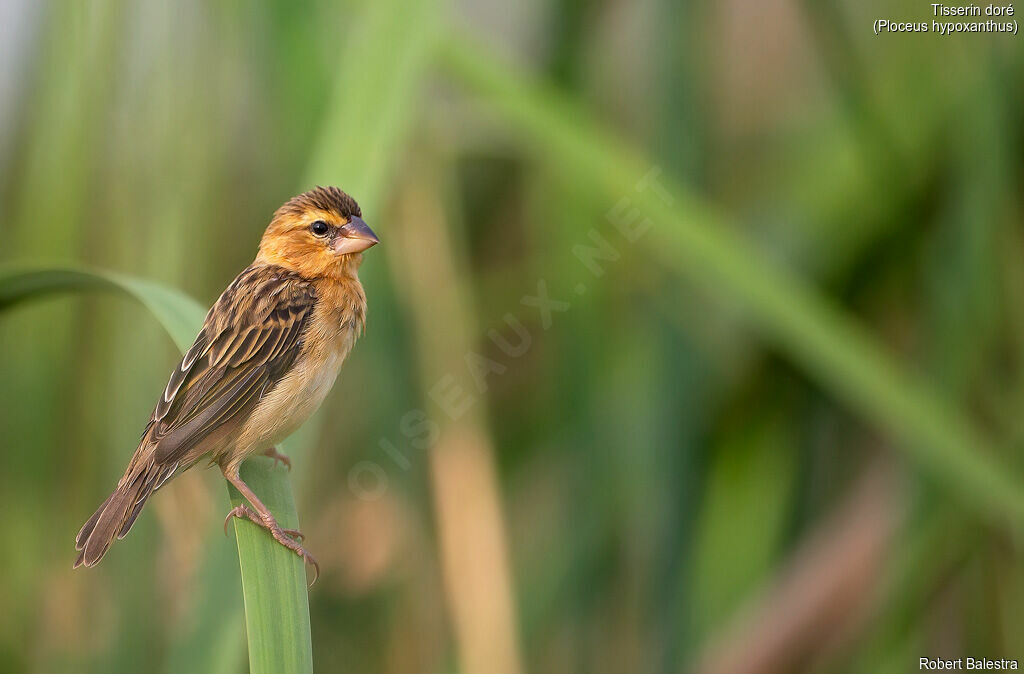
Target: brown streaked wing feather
x=251, y=337
x=179, y=375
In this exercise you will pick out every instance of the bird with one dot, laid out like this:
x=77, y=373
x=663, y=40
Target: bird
x=267, y=355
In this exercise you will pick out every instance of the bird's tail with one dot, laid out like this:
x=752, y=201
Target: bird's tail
x=118, y=513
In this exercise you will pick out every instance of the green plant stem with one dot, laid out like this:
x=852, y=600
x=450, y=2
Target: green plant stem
x=273, y=578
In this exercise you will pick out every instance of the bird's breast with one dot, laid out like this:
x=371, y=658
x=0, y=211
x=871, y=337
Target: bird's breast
x=301, y=391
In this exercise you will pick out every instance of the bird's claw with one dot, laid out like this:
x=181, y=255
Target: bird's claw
x=308, y=558
x=289, y=538
x=277, y=456
x=241, y=511
x=279, y=535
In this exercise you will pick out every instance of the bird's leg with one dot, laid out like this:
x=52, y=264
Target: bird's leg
x=263, y=517
x=278, y=456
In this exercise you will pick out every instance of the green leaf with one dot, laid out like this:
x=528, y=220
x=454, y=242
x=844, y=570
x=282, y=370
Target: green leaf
x=273, y=579
x=180, y=315
x=694, y=240
x=743, y=514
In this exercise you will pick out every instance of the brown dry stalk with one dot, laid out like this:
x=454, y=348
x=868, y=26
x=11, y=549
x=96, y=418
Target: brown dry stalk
x=474, y=556
x=821, y=592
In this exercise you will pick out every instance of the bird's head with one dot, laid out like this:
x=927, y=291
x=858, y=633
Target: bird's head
x=318, y=234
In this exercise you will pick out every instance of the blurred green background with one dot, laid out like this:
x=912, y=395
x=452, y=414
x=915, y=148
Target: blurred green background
x=728, y=297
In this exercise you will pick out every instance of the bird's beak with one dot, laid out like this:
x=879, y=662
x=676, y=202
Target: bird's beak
x=355, y=237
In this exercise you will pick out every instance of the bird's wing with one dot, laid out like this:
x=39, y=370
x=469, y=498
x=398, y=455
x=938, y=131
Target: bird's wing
x=250, y=340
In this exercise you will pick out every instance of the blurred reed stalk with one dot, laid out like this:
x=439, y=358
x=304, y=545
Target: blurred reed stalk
x=467, y=501
x=823, y=593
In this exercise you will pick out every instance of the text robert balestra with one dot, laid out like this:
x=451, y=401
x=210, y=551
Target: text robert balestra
x=938, y=664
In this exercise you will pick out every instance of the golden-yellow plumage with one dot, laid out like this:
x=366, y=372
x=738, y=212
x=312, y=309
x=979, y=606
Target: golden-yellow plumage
x=269, y=352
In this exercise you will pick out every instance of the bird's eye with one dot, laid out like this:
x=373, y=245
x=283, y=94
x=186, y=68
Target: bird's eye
x=320, y=228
